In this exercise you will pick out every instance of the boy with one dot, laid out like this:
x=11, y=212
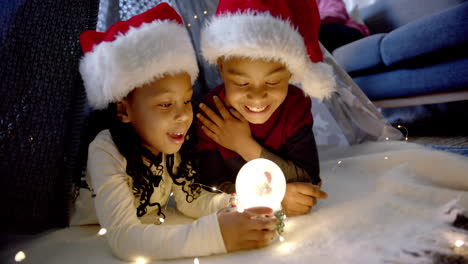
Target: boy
x=258, y=52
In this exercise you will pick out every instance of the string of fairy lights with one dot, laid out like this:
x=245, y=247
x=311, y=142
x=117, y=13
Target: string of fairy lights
x=196, y=16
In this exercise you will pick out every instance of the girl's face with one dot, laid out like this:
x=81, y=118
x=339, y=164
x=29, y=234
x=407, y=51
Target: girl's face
x=255, y=88
x=160, y=112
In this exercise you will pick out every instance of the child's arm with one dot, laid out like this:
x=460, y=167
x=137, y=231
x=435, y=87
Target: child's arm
x=127, y=236
x=205, y=204
x=232, y=131
x=302, y=190
x=299, y=158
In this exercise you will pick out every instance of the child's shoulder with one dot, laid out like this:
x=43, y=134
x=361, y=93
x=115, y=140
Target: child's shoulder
x=103, y=142
x=104, y=156
x=297, y=93
x=103, y=138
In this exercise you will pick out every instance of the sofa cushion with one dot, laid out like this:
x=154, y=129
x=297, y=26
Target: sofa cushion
x=361, y=54
x=387, y=15
x=444, y=77
x=443, y=31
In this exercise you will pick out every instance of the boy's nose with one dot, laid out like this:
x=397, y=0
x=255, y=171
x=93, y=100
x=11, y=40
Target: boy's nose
x=258, y=92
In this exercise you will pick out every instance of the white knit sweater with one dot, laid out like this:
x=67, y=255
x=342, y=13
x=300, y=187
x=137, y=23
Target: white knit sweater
x=129, y=236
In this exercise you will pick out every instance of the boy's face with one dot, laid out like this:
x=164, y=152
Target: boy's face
x=160, y=112
x=255, y=88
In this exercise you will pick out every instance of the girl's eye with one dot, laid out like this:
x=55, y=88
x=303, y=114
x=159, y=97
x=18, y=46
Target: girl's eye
x=165, y=105
x=188, y=102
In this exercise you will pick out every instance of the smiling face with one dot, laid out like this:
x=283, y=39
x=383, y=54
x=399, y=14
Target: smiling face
x=254, y=87
x=160, y=112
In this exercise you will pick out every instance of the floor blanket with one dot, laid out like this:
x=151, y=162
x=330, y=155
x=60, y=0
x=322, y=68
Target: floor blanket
x=389, y=202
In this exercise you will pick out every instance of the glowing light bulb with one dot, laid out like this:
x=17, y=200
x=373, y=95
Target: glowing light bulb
x=386, y=138
x=281, y=238
x=195, y=16
x=196, y=261
x=189, y=25
x=285, y=247
x=102, y=231
x=20, y=256
x=399, y=126
x=172, y=193
x=459, y=243
x=161, y=220
x=284, y=217
x=205, y=12
x=406, y=138
x=386, y=158
x=140, y=261
x=260, y=182
x=339, y=162
x=213, y=188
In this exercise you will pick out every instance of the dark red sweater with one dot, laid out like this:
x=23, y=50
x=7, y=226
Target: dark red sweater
x=287, y=134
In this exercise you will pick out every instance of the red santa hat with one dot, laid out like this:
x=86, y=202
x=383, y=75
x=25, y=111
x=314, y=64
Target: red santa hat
x=279, y=30
x=134, y=52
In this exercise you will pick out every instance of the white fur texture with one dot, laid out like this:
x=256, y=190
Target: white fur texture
x=262, y=36
x=143, y=54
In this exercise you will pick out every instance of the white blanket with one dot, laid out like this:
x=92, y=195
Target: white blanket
x=388, y=202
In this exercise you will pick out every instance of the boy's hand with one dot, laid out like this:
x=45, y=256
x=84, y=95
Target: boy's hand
x=246, y=230
x=300, y=197
x=230, y=130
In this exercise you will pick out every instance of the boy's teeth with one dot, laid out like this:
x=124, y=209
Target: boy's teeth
x=256, y=109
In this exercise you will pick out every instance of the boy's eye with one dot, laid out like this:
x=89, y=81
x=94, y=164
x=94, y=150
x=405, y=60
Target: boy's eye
x=273, y=83
x=241, y=84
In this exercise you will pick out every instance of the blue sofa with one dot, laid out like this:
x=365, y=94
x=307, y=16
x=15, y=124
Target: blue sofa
x=417, y=53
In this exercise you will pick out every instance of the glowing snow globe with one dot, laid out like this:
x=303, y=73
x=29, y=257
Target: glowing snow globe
x=260, y=182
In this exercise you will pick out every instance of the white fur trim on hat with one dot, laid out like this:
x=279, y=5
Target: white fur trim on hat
x=262, y=36
x=113, y=69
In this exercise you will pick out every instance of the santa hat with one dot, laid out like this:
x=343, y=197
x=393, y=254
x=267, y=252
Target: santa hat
x=134, y=52
x=279, y=30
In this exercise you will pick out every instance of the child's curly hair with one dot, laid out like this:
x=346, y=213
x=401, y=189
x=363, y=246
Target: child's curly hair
x=145, y=180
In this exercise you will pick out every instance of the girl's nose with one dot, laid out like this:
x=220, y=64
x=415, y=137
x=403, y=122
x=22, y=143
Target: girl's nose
x=183, y=113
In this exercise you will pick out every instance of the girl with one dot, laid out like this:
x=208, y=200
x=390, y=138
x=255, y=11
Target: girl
x=142, y=70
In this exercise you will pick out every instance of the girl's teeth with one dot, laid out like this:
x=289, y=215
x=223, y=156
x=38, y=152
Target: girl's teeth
x=256, y=109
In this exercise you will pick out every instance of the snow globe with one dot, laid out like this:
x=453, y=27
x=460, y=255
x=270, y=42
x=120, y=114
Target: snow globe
x=260, y=182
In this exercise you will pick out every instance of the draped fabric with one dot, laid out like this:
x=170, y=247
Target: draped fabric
x=42, y=109
x=347, y=118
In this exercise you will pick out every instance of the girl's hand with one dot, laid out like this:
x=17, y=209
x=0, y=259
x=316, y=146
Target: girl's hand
x=247, y=230
x=300, y=197
x=230, y=130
